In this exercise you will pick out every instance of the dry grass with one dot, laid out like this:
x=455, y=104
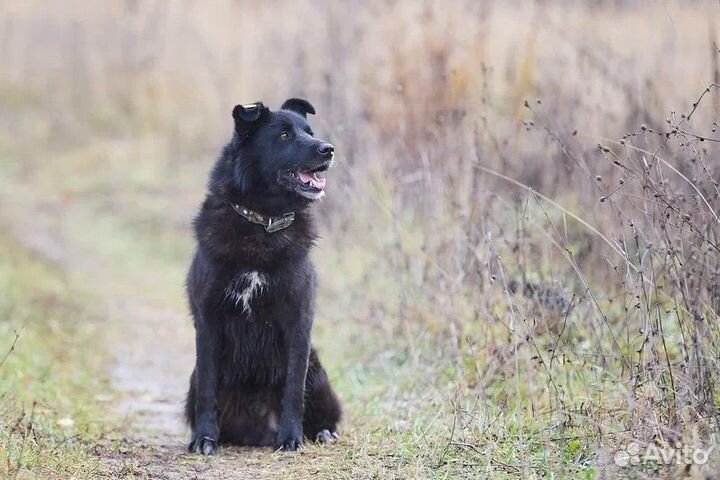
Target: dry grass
x=520, y=256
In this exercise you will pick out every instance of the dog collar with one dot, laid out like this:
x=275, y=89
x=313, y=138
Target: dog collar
x=271, y=224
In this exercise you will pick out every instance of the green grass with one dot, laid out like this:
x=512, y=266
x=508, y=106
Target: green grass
x=51, y=383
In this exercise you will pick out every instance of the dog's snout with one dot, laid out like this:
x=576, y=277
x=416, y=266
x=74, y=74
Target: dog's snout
x=326, y=149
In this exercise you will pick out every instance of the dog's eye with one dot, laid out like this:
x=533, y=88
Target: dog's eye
x=284, y=135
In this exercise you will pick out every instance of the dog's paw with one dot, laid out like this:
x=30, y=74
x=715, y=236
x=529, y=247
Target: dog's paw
x=326, y=436
x=203, y=445
x=289, y=440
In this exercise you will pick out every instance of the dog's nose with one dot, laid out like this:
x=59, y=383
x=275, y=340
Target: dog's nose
x=326, y=149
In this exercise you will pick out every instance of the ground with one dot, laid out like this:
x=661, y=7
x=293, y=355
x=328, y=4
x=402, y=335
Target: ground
x=139, y=338
x=149, y=352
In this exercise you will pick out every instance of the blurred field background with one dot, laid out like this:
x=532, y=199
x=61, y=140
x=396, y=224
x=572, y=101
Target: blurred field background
x=519, y=265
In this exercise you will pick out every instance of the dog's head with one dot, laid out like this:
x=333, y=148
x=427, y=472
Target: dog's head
x=279, y=154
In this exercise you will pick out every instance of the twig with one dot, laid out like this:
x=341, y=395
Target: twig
x=505, y=466
x=557, y=341
x=12, y=347
x=24, y=443
x=697, y=103
x=67, y=439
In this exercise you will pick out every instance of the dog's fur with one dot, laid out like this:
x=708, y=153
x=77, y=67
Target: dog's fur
x=257, y=379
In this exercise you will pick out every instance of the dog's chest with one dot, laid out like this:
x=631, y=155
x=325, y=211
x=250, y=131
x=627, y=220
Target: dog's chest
x=246, y=289
x=250, y=343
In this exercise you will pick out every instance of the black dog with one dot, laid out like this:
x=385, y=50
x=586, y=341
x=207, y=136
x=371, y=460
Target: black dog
x=257, y=379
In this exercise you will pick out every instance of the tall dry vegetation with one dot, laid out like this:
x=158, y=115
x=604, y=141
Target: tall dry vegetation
x=526, y=201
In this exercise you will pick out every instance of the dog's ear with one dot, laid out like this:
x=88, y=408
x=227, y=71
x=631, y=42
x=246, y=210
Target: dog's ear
x=246, y=115
x=298, y=105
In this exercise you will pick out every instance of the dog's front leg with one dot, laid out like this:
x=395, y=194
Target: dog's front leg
x=290, y=429
x=205, y=435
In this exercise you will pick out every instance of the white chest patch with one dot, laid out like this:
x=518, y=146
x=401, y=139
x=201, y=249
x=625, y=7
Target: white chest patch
x=244, y=288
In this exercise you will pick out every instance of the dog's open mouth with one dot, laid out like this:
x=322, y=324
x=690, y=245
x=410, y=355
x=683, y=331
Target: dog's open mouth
x=310, y=182
x=311, y=179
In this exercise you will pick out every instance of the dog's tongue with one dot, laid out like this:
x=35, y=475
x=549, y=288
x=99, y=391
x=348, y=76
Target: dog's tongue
x=312, y=179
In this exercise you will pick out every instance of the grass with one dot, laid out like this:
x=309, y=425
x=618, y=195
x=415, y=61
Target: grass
x=428, y=393
x=415, y=408
x=430, y=409
x=501, y=296
x=52, y=380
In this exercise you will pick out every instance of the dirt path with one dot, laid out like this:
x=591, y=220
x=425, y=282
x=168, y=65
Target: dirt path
x=153, y=352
